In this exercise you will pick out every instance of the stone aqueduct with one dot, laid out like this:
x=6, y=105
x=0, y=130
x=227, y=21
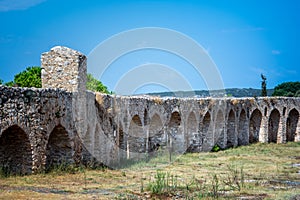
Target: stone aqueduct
x=64, y=123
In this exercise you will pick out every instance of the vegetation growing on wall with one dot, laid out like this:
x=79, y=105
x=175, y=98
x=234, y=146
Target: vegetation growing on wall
x=95, y=85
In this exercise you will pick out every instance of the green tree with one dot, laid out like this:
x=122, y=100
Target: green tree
x=287, y=89
x=297, y=94
x=263, y=85
x=1, y=81
x=10, y=84
x=95, y=85
x=31, y=77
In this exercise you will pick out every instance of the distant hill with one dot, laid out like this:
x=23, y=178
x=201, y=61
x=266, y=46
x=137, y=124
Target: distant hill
x=234, y=92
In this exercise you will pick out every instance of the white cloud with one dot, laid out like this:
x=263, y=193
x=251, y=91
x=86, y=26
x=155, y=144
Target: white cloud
x=276, y=52
x=8, y=5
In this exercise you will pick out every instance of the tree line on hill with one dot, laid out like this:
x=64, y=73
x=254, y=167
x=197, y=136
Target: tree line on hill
x=31, y=77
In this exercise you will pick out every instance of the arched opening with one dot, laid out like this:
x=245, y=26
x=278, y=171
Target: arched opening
x=254, y=126
x=291, y=125
x=146, y=117
x=243, y=137
x=59, y=149
x=192, y=136
x=205, y=133
x=231, y=136
x=156, y=139
x=219, y=136
x=15, y=152
x=274, y=120
x=122, y=142
x=136, y=138
x=175, y=137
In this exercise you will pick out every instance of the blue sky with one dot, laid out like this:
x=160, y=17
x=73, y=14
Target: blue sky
x=244, y=38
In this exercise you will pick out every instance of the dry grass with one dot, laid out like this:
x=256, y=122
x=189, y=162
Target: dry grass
x=262, y=172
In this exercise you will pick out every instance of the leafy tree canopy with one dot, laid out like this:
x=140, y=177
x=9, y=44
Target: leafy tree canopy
x=287, y=89
x=1, y=81
x=95, y=85
x=31, y=77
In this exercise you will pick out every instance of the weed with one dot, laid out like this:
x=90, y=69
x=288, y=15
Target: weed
x=216, y=148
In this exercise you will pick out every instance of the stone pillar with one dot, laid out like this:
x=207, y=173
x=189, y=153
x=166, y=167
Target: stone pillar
x=65, y=68
x=297, y=134
x=263, y=131
x=281, y=135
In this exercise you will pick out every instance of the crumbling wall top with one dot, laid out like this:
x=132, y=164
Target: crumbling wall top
x=64, y=68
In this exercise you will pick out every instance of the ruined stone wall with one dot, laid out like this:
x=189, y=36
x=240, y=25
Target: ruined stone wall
x=44, y=127
x=64, y=68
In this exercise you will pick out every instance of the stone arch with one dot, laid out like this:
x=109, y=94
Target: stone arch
x=175, y=136
x=192, y=136
x=156, y=133
x=175, y=120
x=219, y=136
x=136, y=138
x=273, y=125
x=122, y=142
x=59, y=148
x=231, y=135
x=243, y=137
x=291, y=125
x=15, y=151
x=146, y=117
x=254, y=126
x=205, y=132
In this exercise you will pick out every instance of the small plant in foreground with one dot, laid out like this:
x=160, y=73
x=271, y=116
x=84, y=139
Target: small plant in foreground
x=216, y=148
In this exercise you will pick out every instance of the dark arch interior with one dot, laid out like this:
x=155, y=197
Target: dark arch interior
x=175, y=136
x=122, y=141
x=205, y=132
x=219, y=130
x=273, y=125
x=136, y=138
x=254, y=126
x=291, y=125
x=243, y=128
x=155, y=134
x=15, y=152
x=175, y=120
x=231, y=130
x=192, y=135
x=59, y=150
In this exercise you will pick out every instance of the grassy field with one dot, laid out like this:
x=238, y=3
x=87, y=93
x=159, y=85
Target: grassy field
x=258, y=171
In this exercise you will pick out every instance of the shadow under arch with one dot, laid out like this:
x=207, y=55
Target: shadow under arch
x=192, y=136
x=243, y=137
x=273, y=126
x=59, y=149
x=15, y=151
x=219, y=136
x=206, y=136
x=254, y=126
x=291, y=125
x=156, y=134
x=231, y=135
x=175, y=136
x=136, y=140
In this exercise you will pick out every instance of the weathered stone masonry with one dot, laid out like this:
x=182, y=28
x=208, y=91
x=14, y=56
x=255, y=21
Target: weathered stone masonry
x=64, y=123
